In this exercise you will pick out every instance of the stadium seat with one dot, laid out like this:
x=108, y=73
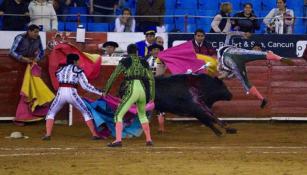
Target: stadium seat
x=268, y=5
x=75, y=11
x=130, y=4
x=295, y=4
x=186, y=4
x=170, y=27
x=72, y=26
x=300, y=29
x=205, y=27
x=61, y=26
x=180, y=21
x=168, y=19
x=98, y=27
x=208, y=5
x=191, y=28
x=170, y=4
x=209, y=15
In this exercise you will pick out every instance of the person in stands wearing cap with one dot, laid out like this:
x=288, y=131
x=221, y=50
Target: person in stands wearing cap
x=143, y=45
x=110, y=47
x=69, y=76
x=139, y=89
x=158, y=68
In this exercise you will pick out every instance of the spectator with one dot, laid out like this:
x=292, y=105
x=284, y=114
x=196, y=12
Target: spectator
x=43, y=15
x=305, y=53
x=110, y=47
x=200, y=45
x=280, y=20
x=257, y=46
x=103, y=7
x=76, y=3
x=27, y=47
x=156, y=65
x=159, y=40
x=14, y=23
x=221, y=22
x=125, y=23
x=143, y=45
x=249, y=23
x=149, y=8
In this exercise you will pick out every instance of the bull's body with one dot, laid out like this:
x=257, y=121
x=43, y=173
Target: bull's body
x=191, y=95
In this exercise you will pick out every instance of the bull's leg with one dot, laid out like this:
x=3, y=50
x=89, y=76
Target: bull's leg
x=220, y=123
x=210, y=125
x=208, y=112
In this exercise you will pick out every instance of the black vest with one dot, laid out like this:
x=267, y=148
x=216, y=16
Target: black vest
x=222, y=23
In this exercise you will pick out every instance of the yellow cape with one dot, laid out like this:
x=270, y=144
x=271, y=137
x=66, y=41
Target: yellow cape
x=35, y=90
x=212, y=69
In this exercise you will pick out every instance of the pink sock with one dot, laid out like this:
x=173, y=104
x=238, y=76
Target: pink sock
x=161, y=122
x=271, y=56
x=146, y=129
x=90, y=125
x=253, y=90
x=118, y=130
x=49, y=126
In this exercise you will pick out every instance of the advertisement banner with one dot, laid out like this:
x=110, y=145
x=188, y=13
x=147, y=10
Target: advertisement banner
x=285, y=45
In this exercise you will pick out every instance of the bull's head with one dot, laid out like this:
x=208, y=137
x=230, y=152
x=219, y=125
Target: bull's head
x=212, y=90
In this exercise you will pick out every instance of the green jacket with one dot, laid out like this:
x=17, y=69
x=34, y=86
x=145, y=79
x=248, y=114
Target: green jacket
x=133, y=68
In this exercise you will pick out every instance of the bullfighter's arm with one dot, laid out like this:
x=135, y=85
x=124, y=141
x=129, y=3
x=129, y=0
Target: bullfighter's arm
x=151, y=84
x=232, y=34
x=119, y=69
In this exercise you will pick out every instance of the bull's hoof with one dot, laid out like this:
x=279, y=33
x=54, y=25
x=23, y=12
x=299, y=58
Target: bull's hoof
x=231, y=130
x=218, y=133
x=263, y=103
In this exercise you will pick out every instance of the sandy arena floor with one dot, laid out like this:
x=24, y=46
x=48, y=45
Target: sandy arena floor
x=186, y=148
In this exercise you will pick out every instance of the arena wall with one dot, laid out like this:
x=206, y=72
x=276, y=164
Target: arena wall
x=284, y=86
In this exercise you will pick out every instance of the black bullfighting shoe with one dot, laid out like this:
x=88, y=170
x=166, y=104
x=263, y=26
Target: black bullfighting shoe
x=115, y=144
x=287, y=61
x=46, y=138
x=96, y=138
x=149, y=143
x=263, y=103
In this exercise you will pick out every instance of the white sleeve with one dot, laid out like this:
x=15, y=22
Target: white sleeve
x=86, y=85
x=31, y=11
x=118, y=26
x=268, y=18
x=53, y=17
x=133, y=25
x=292, y=15
x=215, y=23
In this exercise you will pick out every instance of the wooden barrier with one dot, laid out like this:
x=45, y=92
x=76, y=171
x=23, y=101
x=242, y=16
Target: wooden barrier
x=285, y=87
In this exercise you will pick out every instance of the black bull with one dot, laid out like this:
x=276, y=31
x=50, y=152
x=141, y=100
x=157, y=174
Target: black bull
x=192, y=95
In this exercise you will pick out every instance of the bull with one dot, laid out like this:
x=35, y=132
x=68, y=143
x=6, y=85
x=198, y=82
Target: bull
x=192, y=95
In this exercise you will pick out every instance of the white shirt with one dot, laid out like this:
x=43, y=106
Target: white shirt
x=119, y=27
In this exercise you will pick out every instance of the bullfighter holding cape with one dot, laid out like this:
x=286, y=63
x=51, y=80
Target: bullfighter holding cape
x=138, y=79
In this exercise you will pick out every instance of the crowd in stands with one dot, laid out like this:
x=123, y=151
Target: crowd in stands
x=225, y=15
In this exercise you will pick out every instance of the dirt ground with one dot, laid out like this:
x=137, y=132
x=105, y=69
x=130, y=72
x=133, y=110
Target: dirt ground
x=186, y=148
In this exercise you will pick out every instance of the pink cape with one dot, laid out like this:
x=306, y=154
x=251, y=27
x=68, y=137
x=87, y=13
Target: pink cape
x=180, y=58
